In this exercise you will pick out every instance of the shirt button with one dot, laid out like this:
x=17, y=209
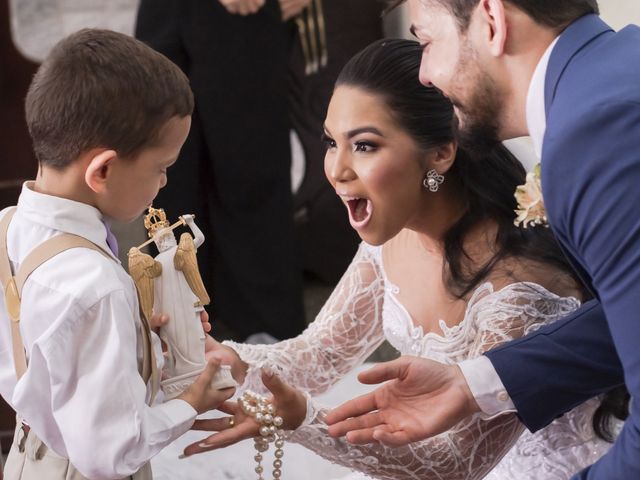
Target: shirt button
x=503, y=396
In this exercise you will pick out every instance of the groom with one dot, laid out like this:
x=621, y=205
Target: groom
x=554, y=70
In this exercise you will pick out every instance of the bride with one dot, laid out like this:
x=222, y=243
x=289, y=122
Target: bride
x=442, y=273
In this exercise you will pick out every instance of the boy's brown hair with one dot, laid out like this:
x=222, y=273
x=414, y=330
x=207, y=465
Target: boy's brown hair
x=99, y=88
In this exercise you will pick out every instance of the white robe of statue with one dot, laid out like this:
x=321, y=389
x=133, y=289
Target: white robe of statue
x=183, y=334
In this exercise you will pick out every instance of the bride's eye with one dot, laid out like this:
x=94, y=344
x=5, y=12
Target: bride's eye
x=327, y=141
x=364, y=147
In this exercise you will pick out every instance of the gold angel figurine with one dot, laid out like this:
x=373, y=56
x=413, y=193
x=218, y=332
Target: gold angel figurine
x=185, y=261
x=171, y=284
x=144, y=269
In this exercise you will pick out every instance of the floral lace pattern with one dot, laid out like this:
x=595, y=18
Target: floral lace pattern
x=362, y=311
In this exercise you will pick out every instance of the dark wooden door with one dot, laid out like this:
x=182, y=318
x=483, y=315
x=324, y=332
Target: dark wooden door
x=17, y=162
x=326, y=240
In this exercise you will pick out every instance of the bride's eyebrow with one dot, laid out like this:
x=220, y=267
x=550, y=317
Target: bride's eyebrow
x=368, y=129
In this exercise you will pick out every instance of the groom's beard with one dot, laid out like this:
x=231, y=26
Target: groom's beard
x=479, y=123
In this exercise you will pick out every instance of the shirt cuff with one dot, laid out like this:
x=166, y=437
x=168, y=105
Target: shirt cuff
x=181, y=415
x=486, y=387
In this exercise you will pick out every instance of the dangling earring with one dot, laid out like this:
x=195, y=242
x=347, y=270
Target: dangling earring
x=432, y=180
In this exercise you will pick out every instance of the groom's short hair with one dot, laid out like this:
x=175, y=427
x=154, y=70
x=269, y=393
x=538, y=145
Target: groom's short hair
x=550, y=13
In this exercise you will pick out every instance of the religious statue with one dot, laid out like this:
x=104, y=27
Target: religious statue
x=171, y=284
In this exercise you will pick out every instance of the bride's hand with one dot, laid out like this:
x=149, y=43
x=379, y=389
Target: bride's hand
x=226, y=356
x=290, y=404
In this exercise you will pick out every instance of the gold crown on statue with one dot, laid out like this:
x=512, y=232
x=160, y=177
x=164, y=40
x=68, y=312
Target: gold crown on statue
x=155, y=220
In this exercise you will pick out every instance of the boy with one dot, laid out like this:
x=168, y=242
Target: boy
x=107, y=116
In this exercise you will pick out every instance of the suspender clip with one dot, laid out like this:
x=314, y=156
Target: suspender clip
x=12, y=300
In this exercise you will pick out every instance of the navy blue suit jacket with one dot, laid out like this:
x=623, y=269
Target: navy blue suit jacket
x=591, y=186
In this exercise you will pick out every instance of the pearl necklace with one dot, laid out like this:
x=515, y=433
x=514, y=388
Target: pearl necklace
x=263, y=412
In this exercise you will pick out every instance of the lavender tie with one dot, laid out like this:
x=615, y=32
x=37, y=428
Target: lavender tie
x=111, y=239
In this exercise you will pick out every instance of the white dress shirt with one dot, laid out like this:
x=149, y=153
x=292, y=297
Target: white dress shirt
x=483, y=380
x=535, y=111
x=82, y=393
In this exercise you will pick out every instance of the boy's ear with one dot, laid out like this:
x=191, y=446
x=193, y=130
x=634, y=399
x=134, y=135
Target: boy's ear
x=97, y=170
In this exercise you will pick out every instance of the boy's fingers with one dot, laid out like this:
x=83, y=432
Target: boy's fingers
x=213, y=364
x=227, y=393
x=230, y=408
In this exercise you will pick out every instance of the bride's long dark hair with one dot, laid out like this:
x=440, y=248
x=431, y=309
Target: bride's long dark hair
x=389, y=68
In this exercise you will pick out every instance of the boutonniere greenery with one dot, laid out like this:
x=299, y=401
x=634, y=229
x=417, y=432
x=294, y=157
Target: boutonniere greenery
x=530, y=211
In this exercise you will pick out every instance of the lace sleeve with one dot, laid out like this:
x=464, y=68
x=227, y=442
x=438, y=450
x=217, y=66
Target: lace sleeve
x=472, y=448
x=345, y=332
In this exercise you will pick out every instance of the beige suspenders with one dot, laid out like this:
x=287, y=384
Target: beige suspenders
x=12, y=286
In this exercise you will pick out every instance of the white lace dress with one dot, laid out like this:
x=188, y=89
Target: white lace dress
x=364, y=310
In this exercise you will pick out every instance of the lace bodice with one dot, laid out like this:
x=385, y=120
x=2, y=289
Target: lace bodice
x=362, y=311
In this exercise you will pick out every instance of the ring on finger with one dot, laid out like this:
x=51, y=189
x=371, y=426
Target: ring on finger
x=232, y=420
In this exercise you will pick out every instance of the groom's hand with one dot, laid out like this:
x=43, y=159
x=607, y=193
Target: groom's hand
x=423, y=398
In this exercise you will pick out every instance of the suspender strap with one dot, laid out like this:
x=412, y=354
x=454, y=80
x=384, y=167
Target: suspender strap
x=149, y=366
x=13, y=284
x=49, y=249
x=11, y=297
x=5, y=266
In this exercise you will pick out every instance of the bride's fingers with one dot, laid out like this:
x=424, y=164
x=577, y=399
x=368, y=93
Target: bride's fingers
x=195, y=448
x=222, y=439
x=198, y=447
x=214, y=424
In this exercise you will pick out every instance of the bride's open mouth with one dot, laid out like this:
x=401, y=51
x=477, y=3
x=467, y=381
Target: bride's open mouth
x=360, y=210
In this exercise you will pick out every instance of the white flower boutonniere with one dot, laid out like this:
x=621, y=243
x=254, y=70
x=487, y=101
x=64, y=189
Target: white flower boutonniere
x=530, y=211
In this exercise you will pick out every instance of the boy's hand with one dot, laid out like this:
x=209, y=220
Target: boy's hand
x=226, y=356
x=290, y=404
x=201, y=396
x=206, y=326
x=158, y=320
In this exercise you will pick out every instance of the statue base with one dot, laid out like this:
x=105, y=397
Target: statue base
x=173, y=387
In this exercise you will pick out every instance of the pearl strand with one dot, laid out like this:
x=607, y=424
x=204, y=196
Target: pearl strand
x=263, y=412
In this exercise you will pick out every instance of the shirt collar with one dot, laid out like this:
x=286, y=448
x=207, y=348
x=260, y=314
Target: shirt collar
x=535, y=110
x=64, y=215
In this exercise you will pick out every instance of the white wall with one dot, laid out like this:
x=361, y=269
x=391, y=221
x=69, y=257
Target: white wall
x=619, y=13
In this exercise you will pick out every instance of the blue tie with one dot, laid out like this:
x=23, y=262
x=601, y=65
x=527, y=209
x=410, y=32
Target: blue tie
x=111, y=238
